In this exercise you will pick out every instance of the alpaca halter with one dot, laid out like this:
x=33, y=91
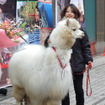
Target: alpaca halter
x=59, y=60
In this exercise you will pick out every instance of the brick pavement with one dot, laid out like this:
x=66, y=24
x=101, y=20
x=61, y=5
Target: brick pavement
x=97, y=76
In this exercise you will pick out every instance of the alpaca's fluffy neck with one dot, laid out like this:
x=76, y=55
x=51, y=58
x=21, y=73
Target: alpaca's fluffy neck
x=64, y=55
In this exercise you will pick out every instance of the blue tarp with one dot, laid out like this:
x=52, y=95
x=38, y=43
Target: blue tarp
x=34, y=38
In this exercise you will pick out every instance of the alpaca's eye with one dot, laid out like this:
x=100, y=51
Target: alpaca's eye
x=74, y=29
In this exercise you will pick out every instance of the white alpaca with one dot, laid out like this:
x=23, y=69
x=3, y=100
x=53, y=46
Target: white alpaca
x=36, y=71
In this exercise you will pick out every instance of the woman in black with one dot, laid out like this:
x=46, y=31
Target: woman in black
x=81, y=55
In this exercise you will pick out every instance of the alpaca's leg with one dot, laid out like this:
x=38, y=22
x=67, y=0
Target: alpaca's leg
x=53, y=102
x=19, y=103
x=26, y=100
x=19, y=94
x=35, y=102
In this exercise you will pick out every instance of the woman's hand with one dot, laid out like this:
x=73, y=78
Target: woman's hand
x=90, y=64
x=48, y=41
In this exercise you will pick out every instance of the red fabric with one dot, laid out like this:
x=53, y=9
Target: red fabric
x=5, y=41
x=5, y=64
x=59, y=60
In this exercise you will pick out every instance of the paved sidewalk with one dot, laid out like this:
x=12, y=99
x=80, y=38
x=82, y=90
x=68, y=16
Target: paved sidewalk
x=97, y=78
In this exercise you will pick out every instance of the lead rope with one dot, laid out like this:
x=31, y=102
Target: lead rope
x=88, y=83
x=87, y=80
x=59, y=59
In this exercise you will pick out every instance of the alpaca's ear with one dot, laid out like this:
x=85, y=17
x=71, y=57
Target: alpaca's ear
x=67, y=22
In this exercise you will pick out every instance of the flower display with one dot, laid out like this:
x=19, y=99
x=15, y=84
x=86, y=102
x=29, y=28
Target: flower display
x=18, y=29
x=12, y=29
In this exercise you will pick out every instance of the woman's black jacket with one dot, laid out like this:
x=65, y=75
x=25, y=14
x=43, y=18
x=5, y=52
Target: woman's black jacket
x=81, y=53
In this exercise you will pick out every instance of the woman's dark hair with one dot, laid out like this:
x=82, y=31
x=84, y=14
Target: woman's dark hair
x=74, y=10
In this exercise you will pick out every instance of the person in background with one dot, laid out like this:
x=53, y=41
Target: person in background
x=80, y=57
x=82, y=20
x=1, y=15
x=2, y=90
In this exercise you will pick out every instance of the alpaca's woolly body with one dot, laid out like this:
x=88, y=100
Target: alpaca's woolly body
x=42, y=80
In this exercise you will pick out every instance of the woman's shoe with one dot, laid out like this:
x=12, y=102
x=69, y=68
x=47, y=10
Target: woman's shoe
x=3, y=91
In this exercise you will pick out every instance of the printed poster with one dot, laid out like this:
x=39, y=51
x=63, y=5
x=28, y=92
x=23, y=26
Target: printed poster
x=37, y=13
x=27, y=13
x=46, y=19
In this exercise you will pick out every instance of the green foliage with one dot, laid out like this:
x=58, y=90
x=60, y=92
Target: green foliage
x=26, y=10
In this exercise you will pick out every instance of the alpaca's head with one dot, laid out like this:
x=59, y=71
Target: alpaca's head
x=65, y=34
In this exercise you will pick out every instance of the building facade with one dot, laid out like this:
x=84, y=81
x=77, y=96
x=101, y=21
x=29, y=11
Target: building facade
x=94, y=20
x=95, y=24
